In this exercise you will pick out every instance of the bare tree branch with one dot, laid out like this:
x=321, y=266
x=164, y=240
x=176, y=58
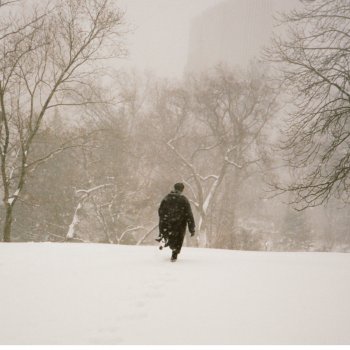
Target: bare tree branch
x=314, y=66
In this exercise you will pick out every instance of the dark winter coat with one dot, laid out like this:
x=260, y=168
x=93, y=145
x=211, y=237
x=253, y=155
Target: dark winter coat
x=174, y=215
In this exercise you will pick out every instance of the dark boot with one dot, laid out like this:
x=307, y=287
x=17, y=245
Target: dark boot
x=174, y=256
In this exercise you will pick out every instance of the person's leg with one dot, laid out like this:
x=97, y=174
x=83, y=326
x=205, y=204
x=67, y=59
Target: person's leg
x=174, y=244
x=173, y=256
x=177, y=245
x=180, y=242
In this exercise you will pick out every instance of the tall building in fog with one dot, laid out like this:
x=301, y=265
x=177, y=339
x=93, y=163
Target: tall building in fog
x=232, y=32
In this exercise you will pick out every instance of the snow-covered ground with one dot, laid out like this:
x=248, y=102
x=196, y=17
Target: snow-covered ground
x=108, y=294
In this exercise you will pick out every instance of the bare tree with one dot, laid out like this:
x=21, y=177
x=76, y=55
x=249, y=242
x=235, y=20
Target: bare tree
x=119, y=212
x=213, y=129
x=313, y=57
x=7, y=2
x=49, y=59
x=84, y=195
x=235, y=109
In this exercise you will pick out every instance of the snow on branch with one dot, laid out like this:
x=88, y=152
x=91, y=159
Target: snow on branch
x=190, y=165
x=13, y=197
x=63, y=147
x=215, y=177
x=210, y=195
x=184, y=160
x=131, y=229
x=146, y=235
x=195, y=202
x=232, y=163
x=87, y=192
x=75, y=221
x=205, y=149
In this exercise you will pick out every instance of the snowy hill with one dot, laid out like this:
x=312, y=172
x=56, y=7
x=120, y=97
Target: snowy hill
x=108, y=294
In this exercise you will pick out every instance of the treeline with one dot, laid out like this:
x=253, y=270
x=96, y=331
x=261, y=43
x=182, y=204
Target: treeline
x=87, y=154
x=215, y=132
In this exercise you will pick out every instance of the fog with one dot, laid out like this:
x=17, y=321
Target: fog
x=159, y=39
x=160, y=33
x=106, y=105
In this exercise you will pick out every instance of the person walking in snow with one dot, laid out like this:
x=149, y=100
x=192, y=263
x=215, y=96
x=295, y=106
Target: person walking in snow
x=175, y=214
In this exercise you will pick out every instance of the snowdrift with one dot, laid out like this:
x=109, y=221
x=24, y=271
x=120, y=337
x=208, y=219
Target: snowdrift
x=108, y=294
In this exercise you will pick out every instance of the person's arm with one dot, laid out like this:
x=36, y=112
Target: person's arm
x=161, y=209
x=189, y=217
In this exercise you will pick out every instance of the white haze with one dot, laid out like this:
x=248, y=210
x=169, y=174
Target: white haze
x=159, y=39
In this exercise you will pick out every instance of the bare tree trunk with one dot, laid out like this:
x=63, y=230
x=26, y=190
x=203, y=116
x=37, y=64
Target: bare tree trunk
x=8, y=223
x=86, y=193
x=42, y=58
x=202, y=237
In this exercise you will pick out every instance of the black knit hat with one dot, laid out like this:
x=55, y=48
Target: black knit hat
x=179, y=186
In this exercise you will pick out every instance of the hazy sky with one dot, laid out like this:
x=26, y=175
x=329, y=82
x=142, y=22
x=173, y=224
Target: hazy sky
x=160, y=38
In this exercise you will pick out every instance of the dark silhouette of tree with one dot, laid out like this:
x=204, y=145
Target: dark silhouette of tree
x=49, y=59
x=313, y=56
